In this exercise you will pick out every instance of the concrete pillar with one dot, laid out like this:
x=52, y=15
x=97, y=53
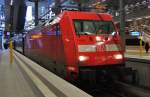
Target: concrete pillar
x=57, y=7
x=36, y=12
x=12, y=13
x=122, y=22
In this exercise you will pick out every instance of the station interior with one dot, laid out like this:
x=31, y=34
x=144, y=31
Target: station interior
x=74, y=48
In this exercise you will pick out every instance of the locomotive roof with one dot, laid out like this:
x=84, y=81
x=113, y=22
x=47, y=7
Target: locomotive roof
x=79, y=15
x=76, y=15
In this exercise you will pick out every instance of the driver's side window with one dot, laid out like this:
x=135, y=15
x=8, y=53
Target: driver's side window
x=88, y=27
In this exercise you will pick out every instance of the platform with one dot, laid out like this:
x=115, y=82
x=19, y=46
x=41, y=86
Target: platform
x=12, y=81
x=134, y=52
x=25, y=78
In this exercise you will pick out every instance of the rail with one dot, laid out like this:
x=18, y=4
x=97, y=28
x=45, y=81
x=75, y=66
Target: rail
x=48, y=83
x=138, y=92
x=142, y=65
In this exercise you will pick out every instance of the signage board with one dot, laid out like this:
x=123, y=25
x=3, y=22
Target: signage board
x=135, y=33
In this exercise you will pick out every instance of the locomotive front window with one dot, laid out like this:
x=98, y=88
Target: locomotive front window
x=91, y=27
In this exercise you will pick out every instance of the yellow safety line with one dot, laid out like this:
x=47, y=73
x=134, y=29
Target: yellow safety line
x=11, y=51
x=141, y=48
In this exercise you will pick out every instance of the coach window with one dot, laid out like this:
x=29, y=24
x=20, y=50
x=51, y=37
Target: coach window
x=58, y=30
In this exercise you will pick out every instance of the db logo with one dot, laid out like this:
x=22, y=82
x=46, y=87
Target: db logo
x=100, y=48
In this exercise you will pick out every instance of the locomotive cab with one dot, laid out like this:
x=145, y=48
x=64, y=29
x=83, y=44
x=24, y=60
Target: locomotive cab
x=97, y=44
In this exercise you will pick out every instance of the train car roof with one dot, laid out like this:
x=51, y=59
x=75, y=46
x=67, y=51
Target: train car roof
x=88, y=15
x=76, y=15
x=80, y=15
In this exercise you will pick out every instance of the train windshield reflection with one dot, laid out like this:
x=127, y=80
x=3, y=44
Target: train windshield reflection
x=93, y=27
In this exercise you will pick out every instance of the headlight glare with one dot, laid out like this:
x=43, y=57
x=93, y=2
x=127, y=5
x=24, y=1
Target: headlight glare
x=118, y=56
x=83, y=58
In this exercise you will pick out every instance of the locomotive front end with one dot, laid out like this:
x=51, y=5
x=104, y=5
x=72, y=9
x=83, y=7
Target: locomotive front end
x=99, y=44
x=99, y=48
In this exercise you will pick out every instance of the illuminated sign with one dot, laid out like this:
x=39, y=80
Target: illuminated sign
x=135, y=33
x=8, y=33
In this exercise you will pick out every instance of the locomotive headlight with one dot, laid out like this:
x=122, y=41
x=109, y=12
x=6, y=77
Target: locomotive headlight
x=118, y=56
x=98, y=38
x=83, y=58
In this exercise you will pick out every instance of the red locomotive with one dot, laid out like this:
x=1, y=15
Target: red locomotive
x=76, y=45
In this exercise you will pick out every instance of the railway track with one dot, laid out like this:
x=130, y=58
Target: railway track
x=133, y=90
x=119, y=89
x=107, y=93
x=112, y=91
x=142, y=66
